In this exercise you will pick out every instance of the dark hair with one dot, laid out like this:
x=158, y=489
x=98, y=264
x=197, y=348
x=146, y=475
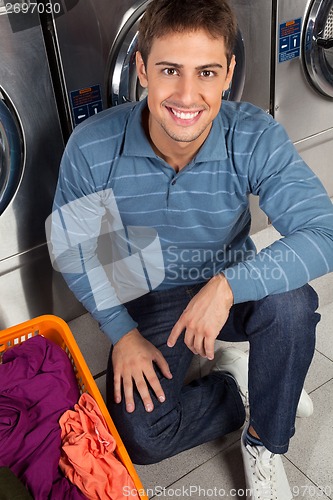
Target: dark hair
x=163, y=17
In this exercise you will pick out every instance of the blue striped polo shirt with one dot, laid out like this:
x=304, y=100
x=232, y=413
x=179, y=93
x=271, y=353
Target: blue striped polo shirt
x=170, y=229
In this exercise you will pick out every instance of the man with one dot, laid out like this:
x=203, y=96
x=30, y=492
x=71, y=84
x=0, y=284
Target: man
x=172, y=174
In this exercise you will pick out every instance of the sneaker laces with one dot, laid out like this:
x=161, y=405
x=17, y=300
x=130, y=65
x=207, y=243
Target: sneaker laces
x=263, y=471
x=245, y=396
x=246, y=402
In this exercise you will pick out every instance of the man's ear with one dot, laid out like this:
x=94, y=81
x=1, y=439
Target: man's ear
x=230, y=73
x=141, y=70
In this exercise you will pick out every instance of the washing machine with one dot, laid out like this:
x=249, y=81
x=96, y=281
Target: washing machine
x=31, y=145
x=95, y=43
x=303, y=88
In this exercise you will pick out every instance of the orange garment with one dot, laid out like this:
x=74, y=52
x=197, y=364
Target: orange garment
x=87, y=457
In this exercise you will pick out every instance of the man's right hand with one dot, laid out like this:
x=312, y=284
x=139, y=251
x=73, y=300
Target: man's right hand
x=133, y=359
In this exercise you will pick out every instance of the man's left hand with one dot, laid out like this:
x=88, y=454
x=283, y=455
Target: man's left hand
x=204, y=317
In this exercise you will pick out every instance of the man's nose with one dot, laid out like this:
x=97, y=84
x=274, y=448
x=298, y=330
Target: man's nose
x=187, y=90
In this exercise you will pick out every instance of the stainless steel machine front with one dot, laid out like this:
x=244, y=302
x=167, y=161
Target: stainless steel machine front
x=303, y=86
x=31, y=146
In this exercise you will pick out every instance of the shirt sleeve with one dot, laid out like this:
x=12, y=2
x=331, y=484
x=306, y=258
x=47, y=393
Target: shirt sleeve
x=299, y=208
x=73, y=230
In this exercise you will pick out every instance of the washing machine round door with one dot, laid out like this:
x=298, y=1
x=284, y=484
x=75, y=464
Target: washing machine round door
x=123, y=84
x=11, y=164
x=318, y=46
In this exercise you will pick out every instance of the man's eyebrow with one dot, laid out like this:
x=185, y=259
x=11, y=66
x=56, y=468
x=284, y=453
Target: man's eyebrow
x=168, y=63
x=180, y=66
x=207, y=66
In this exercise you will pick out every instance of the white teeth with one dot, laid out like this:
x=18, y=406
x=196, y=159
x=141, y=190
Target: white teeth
x=185, y=116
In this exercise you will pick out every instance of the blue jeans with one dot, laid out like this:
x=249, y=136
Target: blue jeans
x=281, y=333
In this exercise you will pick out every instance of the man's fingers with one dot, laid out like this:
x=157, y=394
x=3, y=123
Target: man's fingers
x=175, y=333
x=200, y=343
x=142, y=387
x=198, y=346
x=117, y=388
x=134, y=360
x=128, y=392
x=142, y=382
x=209, y=344
x=163, y=365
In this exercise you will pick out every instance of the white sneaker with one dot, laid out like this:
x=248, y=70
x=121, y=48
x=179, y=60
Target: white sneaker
x=235, y=362
x=264, y=473
x=305, y=405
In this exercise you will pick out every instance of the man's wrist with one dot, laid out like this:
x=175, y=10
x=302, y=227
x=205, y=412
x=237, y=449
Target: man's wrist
x=127, y=336
x=224, y=288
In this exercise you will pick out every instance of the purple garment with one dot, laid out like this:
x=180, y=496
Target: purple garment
x=37, y=385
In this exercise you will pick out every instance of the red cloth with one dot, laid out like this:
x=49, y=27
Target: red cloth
x=87, y=457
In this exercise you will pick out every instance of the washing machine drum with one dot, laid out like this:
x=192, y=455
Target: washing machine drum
x=123, y=83
x=318, y=46
x=11, y=165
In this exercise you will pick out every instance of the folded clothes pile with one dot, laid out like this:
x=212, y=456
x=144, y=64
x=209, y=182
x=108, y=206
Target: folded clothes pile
x=38, y=389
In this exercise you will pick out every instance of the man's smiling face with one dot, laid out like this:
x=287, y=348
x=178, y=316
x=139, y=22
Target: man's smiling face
x=186, y=75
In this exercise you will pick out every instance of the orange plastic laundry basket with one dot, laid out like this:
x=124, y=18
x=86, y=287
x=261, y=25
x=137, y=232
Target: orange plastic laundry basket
x=57, y=330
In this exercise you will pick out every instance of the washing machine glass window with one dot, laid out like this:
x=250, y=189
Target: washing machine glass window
x=318, y=46
x=124, y=85
x=11, y=152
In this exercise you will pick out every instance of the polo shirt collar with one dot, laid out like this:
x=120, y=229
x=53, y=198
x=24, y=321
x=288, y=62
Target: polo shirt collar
x=137, y=144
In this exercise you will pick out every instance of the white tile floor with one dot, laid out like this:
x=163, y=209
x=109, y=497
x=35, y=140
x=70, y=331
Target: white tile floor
x=214, y=470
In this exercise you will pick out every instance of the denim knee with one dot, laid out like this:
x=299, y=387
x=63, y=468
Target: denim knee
x=137, y=433
x=295, y=311
x=303, y=302
x=146, y=451
x=142, y=447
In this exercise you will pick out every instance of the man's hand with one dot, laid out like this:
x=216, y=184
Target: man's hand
x=204, y=317
x=133, y=357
